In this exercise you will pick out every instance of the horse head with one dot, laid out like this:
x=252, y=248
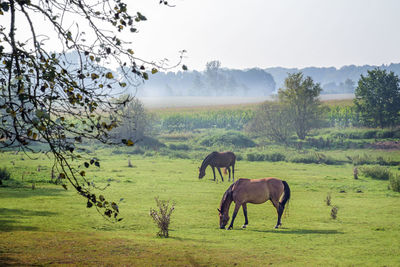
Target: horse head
x=202, y=173
x=223, y=219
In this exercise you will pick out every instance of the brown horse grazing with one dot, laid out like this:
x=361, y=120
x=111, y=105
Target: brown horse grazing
x=219, y=160
x=256, y=191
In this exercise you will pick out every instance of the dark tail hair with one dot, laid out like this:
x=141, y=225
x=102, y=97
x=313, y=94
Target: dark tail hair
x=286, y=196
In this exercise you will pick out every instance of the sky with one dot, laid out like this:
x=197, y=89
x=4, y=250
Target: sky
x=270, y=33
x=265, y=33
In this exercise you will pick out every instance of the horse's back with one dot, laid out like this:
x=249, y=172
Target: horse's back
x=224, y=159
x=257, y=190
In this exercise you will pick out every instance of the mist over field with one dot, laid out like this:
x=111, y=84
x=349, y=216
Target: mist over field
x=249, y=83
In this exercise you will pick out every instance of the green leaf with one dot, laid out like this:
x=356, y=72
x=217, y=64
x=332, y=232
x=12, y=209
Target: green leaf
x=109, y=75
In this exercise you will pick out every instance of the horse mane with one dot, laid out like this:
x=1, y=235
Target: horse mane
x=226, y=197
x=207, y=159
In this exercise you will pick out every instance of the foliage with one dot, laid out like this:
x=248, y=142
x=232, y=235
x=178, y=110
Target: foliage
x=274, y=156
x=180, y=146
x=301, y=96
x=377, y=98
x=342, y=116
x=150, y=143
x=135, y=122
x=234, y=119
x=334, y=212
x=63, y=98
x=162, y=216
x=227, y=139
x=394, y=182
x=4, y=175
x=273, y=120
x=314, y=157
x=328, y=199
x=376, y=172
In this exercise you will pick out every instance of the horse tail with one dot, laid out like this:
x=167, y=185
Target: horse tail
x=286, y=195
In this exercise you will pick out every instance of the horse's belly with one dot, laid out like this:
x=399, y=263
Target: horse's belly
x=257, y=200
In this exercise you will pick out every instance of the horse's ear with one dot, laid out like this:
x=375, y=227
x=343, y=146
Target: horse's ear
x=219, y=210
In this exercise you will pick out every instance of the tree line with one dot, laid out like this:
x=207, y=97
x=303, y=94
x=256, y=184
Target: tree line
x=298, y=109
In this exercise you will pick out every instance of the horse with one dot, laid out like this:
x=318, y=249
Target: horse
x=218, y=160
x=255, y=191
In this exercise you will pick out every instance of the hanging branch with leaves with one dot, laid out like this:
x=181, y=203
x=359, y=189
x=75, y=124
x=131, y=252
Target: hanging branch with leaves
x=63, y=98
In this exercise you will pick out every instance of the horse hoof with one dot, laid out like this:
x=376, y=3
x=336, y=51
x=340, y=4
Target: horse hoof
x=244, y=226
x=276, y=227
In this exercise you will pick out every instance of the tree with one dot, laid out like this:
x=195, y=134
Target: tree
x=301, y=97
x=377, y=98
x=48, y=98
x=214, y=77
x=135, y=122
x=273, y=120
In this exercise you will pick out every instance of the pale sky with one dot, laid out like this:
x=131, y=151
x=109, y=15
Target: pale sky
x=266, y=33
x=269, y=33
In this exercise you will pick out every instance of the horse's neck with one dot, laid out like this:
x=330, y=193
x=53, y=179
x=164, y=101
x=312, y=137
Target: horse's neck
x=226, y=205
x=206, y=162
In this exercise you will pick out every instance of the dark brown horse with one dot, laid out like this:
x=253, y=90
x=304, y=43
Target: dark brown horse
x=256, y=191
x=219, y=160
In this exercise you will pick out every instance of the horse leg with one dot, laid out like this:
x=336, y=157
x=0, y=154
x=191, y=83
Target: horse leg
x=237, y=206
x=229, y=170
x=212, y=167
x=279, y=209
x=219, y=170
x=233, y=173
x=246, y=221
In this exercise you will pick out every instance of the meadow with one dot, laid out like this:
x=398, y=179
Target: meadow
x=52, y=226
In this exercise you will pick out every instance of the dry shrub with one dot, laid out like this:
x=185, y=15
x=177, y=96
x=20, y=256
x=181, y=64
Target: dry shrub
x=328, y=199
x=334, y=212
x=162, y=217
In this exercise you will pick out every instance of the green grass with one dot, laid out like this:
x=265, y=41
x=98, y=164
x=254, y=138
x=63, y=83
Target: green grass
x=49, y=225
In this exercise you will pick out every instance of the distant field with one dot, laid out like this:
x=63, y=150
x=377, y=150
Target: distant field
x=189, y=101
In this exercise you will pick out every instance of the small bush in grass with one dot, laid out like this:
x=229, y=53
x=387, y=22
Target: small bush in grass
x=162, y=216
x=394, y=181
x=376, y=172
x=328, y=199
x=4, y=175
x=334, y=212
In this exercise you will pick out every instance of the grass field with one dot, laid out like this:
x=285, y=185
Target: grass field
x=49, y=225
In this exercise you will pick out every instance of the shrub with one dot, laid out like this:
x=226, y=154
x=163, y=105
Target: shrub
x=328, y=199
x=179, y=155
x=314, y=157
x=150, y=142
x=376, y=172
x=162, y=217
x=275, y=156
x=361, y=160
x=230, y=138
x=4, y=175
x=179, y=147
x=334, y=212
x=394, y=182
